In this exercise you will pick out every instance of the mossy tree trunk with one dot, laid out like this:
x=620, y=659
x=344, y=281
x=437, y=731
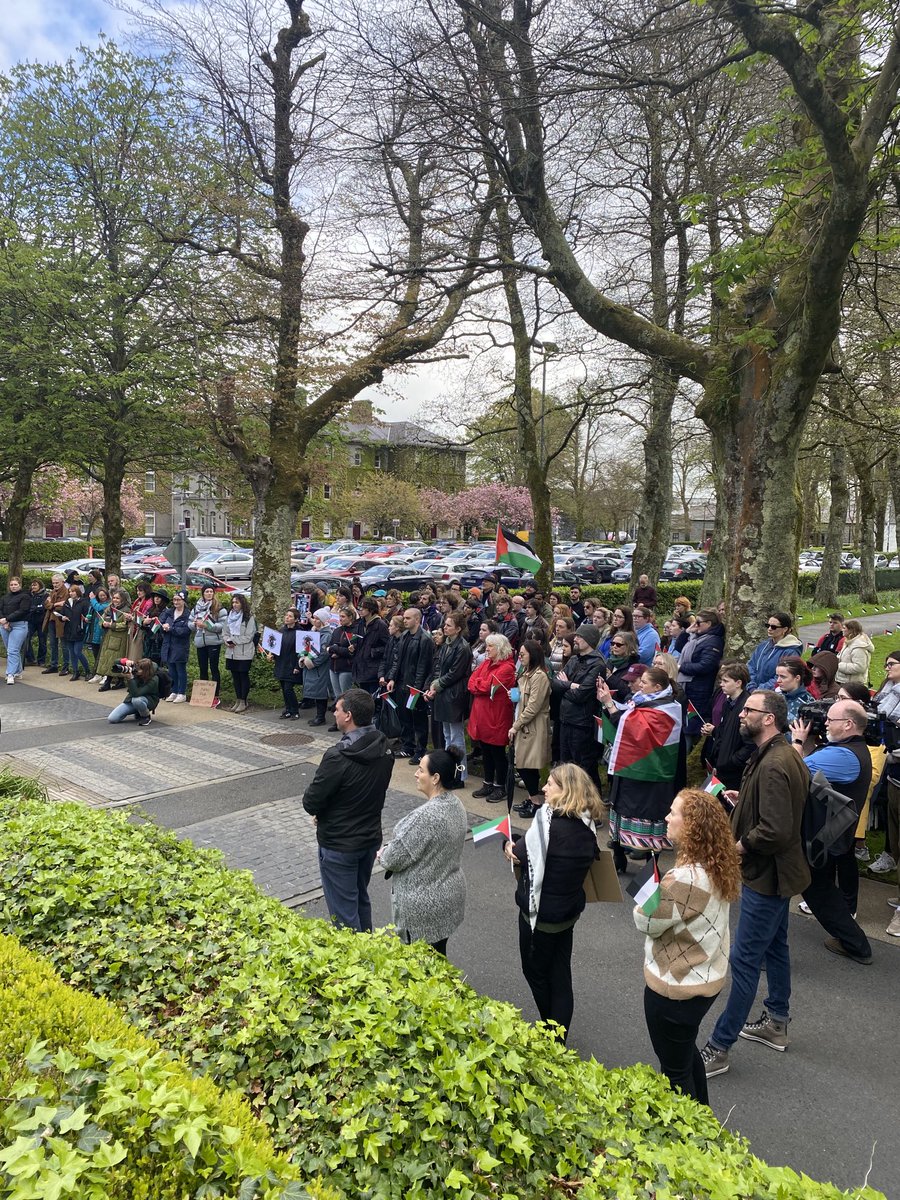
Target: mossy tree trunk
x=17, y=513
x=826, y=594
x=868, y=593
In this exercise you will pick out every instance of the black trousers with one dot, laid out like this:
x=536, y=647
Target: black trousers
x=829, y=907
x=413, y=727
x=531, y=777
x=547, y=967
x=673, y=1026
x=240, y=677
x=208, y=664
x=290, y=696
x=579, y=745
x=494, y=759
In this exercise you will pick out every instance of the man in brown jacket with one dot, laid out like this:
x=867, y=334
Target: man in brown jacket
x=766, y=823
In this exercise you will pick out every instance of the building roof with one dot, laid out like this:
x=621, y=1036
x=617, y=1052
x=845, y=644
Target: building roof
x=393, y=433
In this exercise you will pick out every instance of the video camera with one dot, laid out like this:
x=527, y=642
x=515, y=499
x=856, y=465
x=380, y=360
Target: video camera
x=813, y=712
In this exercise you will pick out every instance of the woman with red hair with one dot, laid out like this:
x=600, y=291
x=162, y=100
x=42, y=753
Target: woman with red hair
x=687, y=943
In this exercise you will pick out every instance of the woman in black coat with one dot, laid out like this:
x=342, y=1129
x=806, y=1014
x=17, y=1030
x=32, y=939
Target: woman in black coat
x=623, y=655
x=449, y=692
x=287, y=666
x=725, y=752
x=555, y=856
x=74, y=614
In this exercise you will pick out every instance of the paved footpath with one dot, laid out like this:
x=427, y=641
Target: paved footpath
x=829, y=1107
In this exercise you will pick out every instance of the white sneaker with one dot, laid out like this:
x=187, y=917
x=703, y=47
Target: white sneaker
x=170, y=698
x=894, y=902
x=884, y=861
x=804, y=908
x=180, y=699
x=894, y=928
x=862, y=853
x=10, y=679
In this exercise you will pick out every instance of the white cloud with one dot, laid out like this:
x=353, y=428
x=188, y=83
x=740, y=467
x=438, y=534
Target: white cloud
x=51, y=30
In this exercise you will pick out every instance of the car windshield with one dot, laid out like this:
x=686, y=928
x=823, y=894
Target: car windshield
x=378, y=572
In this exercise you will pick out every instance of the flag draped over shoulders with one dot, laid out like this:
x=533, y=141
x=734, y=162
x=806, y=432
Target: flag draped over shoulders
x=647, y=739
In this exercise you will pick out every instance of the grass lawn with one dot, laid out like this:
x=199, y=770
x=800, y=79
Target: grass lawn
x=808, y=614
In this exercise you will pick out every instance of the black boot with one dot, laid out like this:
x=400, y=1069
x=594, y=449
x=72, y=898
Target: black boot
x=105, y=687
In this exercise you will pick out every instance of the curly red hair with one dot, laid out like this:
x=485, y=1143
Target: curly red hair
x=706, y=838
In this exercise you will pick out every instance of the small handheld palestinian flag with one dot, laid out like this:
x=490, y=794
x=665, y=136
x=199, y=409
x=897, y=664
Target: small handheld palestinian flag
x=386, y=697
x=692, y=712
x=644, y=889
x=714, y=786
x=514, y=551
x=496, y=686
x=606, y=731
x=413, y=698
x=501, y=825
x=155, y=627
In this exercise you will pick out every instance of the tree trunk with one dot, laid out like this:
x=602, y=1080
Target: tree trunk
x=868, y=594
x=276, y=520
x=113, y=525
x=17, y=513
x=826, y=595
x=893, y=466
x=715, y=580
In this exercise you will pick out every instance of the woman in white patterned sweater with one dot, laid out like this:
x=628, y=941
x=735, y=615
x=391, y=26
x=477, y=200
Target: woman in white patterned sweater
x=686, y=951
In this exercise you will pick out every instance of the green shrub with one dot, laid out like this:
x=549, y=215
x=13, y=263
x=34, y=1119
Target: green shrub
x=373, y=1062
x=92, y=1107
x=54, y=552
x=612, y=594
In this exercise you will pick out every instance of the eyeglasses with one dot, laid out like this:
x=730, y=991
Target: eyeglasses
x=833, y=720
x=754, y=710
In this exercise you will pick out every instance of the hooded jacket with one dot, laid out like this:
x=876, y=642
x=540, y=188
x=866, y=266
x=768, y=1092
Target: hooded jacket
x=854, y=659
x=699, y=664
x=828, y=665
x=347, y=793
x=766, y=657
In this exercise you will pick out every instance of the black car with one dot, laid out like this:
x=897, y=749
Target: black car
x=682, y=568
x=397, y=577
x=594, y=570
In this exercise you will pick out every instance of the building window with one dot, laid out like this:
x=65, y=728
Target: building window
x=150, y=524
x=212, y=523
x=203, y=523
x=228, y=526
x=85, y=527
x=307, y=492
x=326, y=491
x=186, y=518
x=378, y=461
x=326, y=529
x=150, y=481
x=356, y=458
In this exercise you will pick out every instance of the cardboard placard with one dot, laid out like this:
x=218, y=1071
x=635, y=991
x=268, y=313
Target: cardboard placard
x=601, y=884
x=203, y=693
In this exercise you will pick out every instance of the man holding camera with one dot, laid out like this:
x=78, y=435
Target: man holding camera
x=846, y=763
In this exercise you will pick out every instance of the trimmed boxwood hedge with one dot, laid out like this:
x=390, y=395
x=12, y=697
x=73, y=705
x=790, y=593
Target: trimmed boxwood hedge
x=54, y=552
x=372, y=1062
x=92, y=1107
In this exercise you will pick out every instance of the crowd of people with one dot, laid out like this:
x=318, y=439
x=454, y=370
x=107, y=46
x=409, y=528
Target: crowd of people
x=539, y=688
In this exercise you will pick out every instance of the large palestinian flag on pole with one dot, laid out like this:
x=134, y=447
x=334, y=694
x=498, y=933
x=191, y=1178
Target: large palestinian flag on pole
x=646, y=745
x=515, y=552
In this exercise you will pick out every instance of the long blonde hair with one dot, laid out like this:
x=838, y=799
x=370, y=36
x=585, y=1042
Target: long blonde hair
x=579, y=794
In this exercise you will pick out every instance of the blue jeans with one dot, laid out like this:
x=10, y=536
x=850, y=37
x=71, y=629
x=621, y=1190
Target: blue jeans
x=341, y=681
x=178, y=675
x=78, y=658
x=761, y=937
x=14, y=639
x=345, y=879
x=455, y=735
x=135, y=706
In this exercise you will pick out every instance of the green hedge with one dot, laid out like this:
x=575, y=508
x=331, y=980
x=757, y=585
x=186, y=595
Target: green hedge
x=612, y=594
x=54, y=552
x=94, y=1108
x=372, y=1062
x=887, y=579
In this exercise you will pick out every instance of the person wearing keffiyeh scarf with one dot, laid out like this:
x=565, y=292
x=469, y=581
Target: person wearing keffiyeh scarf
x=555, y=857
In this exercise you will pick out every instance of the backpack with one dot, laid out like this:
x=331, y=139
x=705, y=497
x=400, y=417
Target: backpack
x=165, y=682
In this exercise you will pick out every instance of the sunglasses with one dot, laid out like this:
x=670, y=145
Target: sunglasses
x=774, y=627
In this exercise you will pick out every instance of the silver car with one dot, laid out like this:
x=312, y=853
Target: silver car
x=224, y=564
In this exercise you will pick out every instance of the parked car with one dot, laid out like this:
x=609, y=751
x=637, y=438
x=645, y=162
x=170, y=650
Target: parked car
x=81, y=565
x=675, y=569
x=593, y=570
x=400, y=577
x=224, y=564
x=168, y=577
x=138, y=544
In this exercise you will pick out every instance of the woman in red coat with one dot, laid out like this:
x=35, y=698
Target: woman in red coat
x=492, y=715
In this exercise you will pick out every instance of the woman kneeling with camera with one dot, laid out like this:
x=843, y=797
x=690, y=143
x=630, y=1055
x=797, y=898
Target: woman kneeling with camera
x=143, y=693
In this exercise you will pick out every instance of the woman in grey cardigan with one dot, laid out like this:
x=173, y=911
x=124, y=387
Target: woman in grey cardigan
x=428, y=898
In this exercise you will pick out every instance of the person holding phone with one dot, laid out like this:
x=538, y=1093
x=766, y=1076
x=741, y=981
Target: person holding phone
x=240, y=646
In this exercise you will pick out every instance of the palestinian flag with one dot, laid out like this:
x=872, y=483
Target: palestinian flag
x=413, y=698
x=497, y=686
x=646, y=745
x=386, y=697
x=714, y=786
x=644, y=889
x=515, y=552
x=692, y=712
x=606, y=731
x=501, y=825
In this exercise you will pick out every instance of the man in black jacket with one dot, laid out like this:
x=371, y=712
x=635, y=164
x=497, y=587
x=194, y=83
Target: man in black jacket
x=37, y=596
x=346, y=798
x=576, y=685
x=412, y=673
x=365, y=665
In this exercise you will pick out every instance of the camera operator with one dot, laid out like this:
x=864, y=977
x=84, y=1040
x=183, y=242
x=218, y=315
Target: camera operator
x=847, y=765
x=143, y=692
